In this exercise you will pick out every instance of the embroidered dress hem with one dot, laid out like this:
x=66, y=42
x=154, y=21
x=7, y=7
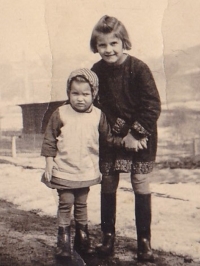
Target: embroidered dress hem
x=126, y=166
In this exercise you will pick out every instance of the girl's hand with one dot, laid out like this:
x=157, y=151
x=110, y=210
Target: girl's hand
x=130, y=143
x=48, y=169
x=143, y=142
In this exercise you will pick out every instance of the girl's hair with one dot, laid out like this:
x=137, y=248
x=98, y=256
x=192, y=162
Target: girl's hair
x=107, y=25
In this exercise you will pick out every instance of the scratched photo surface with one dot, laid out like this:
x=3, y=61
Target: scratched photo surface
x=42, y=42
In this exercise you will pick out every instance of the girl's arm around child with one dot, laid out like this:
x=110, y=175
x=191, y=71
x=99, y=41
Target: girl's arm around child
x=105, y=134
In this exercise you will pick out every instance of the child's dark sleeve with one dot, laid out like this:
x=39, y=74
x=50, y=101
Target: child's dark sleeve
x=105, y=134
x=49, y=145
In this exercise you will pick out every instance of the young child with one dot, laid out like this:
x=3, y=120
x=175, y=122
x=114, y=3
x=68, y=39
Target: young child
x=71, y=147
x=129, y=98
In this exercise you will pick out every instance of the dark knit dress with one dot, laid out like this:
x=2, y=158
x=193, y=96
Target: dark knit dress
x=129, y=98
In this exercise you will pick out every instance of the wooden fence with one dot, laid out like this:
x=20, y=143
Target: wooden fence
x=177, y=149
x=14, y=143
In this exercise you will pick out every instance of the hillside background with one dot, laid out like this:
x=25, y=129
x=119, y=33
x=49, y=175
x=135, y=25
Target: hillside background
x=43, y=41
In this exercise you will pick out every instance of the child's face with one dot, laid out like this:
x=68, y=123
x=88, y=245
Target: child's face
x=80, y=96
x=110, y=48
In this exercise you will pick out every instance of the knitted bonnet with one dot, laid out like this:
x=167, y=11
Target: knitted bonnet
x=89, y=75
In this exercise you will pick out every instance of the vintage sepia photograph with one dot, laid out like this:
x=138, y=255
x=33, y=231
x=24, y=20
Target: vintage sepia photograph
x=99, y=133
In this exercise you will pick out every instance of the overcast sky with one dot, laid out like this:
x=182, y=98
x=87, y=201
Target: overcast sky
x=43, y=41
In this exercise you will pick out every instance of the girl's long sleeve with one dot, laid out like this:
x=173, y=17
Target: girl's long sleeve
x=150, y=105
x=147, y=106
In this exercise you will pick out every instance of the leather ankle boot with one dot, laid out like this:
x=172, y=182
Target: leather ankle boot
x=108, y=218
x=63, y=242
x=82, y=242
x=144, y=252
x=107, y=246
x=143, y=225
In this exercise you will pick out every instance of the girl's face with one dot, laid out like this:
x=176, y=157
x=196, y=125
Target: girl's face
x=110, y=48
x=80, y=96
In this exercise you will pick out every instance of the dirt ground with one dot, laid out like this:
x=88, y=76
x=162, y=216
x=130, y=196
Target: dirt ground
x=29, y=239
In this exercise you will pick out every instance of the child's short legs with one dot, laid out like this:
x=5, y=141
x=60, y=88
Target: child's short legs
x=140, y=183
x=66, y=201
x=68, y=198
x=80, y=205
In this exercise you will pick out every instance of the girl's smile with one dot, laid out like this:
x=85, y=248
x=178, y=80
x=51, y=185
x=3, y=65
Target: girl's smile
x=110, y=48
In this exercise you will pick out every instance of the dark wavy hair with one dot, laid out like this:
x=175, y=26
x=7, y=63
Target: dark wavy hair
x=107, y=25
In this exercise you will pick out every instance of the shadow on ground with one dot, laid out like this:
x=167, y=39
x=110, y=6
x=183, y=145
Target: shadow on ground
x=29, y=239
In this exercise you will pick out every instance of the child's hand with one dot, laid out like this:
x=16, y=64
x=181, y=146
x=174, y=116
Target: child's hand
x=48, y=169
x=130, y=143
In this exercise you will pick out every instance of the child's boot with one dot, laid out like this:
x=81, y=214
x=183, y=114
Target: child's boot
x=143, y=225
x=82, y=242
x=63, y=242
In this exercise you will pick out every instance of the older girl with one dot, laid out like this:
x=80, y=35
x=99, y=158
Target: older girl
x=129, y=98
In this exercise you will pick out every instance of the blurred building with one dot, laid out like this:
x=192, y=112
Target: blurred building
x=36, y=116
